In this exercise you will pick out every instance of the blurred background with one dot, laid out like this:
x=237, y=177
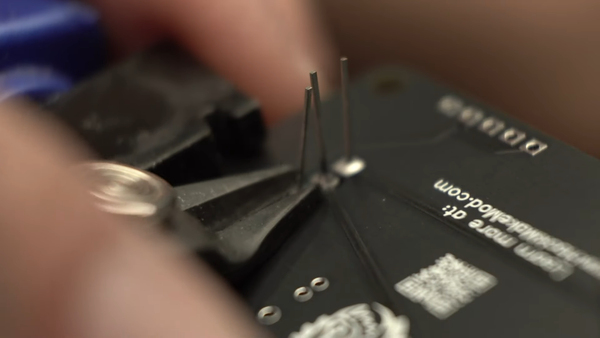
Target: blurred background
x=537, y=60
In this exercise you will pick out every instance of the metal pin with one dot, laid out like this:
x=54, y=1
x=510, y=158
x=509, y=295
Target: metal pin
x=346, y=108
x=307, y=104
x=325, y=179
x=303, y=294
x=314, y=81
x=349, y=165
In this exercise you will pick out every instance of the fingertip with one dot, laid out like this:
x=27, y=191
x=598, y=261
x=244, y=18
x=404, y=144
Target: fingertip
x=266, y=48
x=248, y=43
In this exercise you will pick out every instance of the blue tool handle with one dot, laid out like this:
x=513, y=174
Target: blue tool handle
x=47, y=45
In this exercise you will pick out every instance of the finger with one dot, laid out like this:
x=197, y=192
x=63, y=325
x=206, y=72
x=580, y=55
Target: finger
x=69, y=270
x=245, y=41
x=304, y=23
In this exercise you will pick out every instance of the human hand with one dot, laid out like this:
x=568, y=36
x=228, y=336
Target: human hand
x=266, y=47
x=70, y=270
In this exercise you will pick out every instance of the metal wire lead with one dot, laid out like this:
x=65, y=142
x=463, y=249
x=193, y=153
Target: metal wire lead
x=307, y=104
x=314, y=80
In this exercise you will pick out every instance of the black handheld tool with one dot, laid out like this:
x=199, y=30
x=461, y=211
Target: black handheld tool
x=234, y=223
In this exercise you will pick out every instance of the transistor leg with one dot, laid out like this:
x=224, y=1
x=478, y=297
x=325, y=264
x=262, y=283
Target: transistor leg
x=349, y=165
x=325, y=179
x=314, y=81
x=307, y=104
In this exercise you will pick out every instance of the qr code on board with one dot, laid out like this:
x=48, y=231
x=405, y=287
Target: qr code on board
x=445, y=287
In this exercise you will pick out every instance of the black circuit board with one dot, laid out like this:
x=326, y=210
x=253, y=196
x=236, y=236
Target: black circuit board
x=479, y=229
x=471, y=235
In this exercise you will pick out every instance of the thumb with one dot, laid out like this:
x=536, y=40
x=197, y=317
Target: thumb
x=70, y=270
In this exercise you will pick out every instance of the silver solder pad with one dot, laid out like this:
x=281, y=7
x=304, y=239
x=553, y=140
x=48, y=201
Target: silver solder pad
x=470, y=116
x=512, y=136
x=450, y=105
x=533, y=147
x=491, y=126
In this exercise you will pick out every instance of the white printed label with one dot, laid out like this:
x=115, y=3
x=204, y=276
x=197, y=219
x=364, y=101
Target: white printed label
x=445, y=287
x=357, y=321
x=549, y=253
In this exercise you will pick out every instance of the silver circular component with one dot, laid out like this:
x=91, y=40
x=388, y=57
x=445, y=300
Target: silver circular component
x=491, y=126
x=510, y=135
x=467, y=113
x=269, y=315
x=348, y=168
x=488, y=124
x=531, y=146
x=450, y=105
x=319, y=284
x=303, y=294
x=470, y=116
x=534, y=147
x=127, y=191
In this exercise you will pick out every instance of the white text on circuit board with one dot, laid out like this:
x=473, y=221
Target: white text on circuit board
x=537, y=245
